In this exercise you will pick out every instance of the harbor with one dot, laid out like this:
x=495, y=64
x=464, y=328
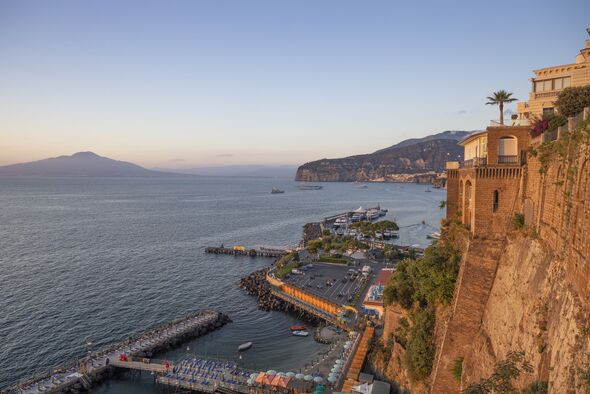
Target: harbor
x=243, y=251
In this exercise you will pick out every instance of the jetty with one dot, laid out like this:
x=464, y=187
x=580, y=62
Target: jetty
x=243, y=251
x=97, y=366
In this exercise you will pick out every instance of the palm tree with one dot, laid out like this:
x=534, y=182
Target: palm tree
x=499, y=98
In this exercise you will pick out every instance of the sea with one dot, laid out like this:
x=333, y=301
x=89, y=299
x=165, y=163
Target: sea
x=85, y=262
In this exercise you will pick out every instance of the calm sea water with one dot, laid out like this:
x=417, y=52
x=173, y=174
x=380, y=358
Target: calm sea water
x=100, y=259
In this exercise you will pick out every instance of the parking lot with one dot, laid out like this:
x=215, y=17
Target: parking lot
x=337, y=283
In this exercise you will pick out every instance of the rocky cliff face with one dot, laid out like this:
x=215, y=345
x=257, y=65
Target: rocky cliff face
x=418, y=156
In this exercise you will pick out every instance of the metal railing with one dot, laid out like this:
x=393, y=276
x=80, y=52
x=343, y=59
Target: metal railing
x=507, y=159
x=475, y=162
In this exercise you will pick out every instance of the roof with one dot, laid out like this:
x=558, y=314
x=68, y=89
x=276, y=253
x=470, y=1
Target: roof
x=380, y=387
x=383, y=276
x=471, y=136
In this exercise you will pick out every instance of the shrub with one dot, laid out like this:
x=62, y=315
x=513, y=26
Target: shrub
x=537, y=387
x=573, y=100
x=420, y=349
x=547, y=123
x=518, y=221
x=458, y=369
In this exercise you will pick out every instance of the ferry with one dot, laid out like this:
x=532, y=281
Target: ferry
x=300, y=333
x=298, y=328
x=276, y=191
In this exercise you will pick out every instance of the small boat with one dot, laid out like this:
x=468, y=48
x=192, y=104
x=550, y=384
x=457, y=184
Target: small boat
x=310, y=187
x=427, y=189
x=361, y=186
x=298, y=328
x=300, y=333
x=244, y=346
x=434, y=235
x=276, y=191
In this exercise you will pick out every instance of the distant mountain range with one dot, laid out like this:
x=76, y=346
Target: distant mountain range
x=81, y=164
x=409, y=157
x=248, y=170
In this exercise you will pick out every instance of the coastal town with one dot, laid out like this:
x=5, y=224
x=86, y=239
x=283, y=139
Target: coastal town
x=491, y=297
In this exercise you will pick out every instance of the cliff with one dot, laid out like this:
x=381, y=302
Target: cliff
x=525, y=289
x=427, y=155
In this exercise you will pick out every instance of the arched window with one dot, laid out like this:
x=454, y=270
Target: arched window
x=496, y=200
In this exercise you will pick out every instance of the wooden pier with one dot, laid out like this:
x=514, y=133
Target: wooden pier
x=97, y=366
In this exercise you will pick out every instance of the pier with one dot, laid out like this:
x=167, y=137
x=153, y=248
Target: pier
x=242, y=251
x=98, y=365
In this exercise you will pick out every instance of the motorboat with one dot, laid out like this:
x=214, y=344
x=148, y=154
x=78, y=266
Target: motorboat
x=276, y=191
x=434, y=235
x=300, y=333
x=310, y=187
x=245, y=346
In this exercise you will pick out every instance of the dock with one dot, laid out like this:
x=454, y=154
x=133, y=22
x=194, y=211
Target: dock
x=97, y=366
x=252, y=252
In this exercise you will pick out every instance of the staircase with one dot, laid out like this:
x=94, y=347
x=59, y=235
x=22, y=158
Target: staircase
x=474, y=283
x=358, y=360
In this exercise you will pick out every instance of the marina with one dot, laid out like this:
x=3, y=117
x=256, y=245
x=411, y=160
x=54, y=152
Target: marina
x=243, y=251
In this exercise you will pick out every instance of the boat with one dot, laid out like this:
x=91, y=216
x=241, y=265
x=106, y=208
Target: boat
x=244, y=346
x=428, y=189
x=434, y=235
x=276, y=191
x=310, y=187
x=300, y=333
x=298, y=328
x=361, y=186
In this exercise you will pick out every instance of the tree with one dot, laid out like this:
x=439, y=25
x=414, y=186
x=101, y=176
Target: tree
x=499, y=98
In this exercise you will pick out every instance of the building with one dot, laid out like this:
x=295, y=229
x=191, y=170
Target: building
x=482, y=189
x=550, y=81
x=374, y=299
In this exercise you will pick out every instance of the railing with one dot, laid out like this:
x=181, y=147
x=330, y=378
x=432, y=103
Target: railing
x=553, y=93
x=510, y=122
x=511, y=159
x=475, y=162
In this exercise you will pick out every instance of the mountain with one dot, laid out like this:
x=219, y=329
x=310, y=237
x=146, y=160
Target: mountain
x=401, y=162
x=81, y=164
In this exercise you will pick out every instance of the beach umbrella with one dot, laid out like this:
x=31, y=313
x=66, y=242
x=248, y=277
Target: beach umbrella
x=250, y=381
x=253, y=375
x=290, y=374
x=346, y=346
x=331, y=379
x=308, y=378
x=271, y=372
x=281, y=374
x=339, y=361
x=318, y=379
x=299, y=376
x=337, y=367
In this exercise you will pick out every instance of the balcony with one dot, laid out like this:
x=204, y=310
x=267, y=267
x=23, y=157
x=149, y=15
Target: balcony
x=475, y=162
x=510, y=123
x=549, y=94
x=510, y=160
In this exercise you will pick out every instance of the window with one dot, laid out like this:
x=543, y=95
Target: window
x=567, y=82
x=552, y=84
x=496, y=200
x=548, y=111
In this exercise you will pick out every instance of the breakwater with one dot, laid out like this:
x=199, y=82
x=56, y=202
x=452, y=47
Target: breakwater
x=241, y=251
x=256, y=285
x=98, y=366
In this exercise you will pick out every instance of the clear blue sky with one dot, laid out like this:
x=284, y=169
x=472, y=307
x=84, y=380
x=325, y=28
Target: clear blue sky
x=190, y=83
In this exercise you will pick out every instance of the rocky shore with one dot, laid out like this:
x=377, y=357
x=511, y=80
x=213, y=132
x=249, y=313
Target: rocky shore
x=256, y=285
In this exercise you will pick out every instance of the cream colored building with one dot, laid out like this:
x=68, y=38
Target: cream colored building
x=549, y=81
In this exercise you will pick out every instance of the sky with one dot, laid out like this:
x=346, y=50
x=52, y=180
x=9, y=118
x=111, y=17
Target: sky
x=179, y=84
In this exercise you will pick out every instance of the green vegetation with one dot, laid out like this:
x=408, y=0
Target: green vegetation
x=442, y=204
x=573, y=100
x=332, y=242
x=458, y=369
x=547, y=123
x=419, y=286
x=369, y=228
x=585, y=376
x=286, y=264
x=518, y=220
x=537, y=387
x=499, y=98
x=420, y=348
x=505, y=373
